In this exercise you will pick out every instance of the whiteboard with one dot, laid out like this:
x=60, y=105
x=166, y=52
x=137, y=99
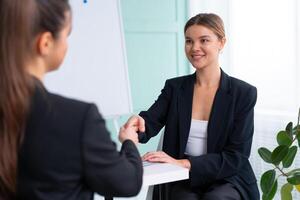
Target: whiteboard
x=95, y=67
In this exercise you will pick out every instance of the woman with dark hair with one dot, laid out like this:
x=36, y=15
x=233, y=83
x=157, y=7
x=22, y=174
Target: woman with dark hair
x=52, y=147
x=208, y=120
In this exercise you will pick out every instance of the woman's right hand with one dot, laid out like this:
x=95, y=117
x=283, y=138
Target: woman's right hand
x=137, y=122
x=129, y=130
x=128, y=133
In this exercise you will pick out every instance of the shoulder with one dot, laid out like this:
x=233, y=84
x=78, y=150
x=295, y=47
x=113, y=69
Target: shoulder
x=244, y=94
x=242, y=88
x=66, y=102
x=73, y=107
x=240, y=84
x=61, y=106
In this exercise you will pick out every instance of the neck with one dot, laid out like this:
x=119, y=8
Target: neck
x=37, y=69
x=208, y=77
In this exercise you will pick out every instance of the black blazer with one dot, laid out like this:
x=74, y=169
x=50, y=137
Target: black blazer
x=67, y=153
x=230, y=131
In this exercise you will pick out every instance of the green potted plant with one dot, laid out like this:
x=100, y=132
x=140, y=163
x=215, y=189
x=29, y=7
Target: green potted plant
x=281, y=159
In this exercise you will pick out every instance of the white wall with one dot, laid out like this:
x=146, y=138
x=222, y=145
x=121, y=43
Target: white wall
x=263, y=50
x=221, y=8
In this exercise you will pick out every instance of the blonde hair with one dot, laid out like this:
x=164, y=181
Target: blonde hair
x=209, y=20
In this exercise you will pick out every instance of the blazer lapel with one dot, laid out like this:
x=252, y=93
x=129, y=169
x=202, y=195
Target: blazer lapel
x=185, y=102
x=222, y=101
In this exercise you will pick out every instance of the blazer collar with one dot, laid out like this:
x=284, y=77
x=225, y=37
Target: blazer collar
x=219, y=109
x=225, y=83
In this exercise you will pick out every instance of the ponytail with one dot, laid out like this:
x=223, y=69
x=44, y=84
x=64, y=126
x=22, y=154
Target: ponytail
x=20, y=22
x=15, y=87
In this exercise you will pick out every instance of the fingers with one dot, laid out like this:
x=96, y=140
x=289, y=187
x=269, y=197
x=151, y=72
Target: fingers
x=158, y=156
x=158, y=159
x=122, y=134
x=153, y=153
x=162, y=157
x=136, y=121
x=141, y=124
x=128, y=133
x=132, y=121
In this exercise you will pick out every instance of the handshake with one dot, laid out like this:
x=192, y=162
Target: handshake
x=129, y=130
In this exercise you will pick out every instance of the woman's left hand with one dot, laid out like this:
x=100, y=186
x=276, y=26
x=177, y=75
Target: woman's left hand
x=162, y=157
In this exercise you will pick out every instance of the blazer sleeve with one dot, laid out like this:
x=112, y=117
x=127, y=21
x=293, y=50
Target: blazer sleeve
x=107, y=171
x=210, y=167
x=156, y=116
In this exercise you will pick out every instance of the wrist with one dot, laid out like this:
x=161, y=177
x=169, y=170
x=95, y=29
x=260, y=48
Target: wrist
x=185, y=163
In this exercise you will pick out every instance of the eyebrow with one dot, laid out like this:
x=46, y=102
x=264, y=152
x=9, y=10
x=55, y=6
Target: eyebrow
x=201, y=37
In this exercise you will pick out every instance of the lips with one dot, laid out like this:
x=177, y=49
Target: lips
x=197, y=56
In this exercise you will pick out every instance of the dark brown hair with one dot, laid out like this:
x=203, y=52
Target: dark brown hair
x=20, y=22
x=210, y=21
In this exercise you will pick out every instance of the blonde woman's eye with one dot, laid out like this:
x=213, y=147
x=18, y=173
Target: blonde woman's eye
x=188, y=41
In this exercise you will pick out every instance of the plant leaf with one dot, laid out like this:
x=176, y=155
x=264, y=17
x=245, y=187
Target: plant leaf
x=297, y=187
x=298, y=138
x=267, y=180
x=271, y=194
x=289, y=129
x=289, y=159
x=296, y=129
x=265, y=154
x=284, y=139
x=286, y=191
x=290, y=173
x=278, y=154
x=294, y=179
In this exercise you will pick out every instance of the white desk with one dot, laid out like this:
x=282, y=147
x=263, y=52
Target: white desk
x=157, y=173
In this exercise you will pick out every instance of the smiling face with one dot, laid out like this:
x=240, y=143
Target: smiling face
x=202, y=46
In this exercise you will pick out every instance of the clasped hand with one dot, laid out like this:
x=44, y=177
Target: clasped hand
x=137, y=124
x=129, y=130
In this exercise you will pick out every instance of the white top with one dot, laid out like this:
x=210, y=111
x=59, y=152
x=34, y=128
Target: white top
x=197, y=141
